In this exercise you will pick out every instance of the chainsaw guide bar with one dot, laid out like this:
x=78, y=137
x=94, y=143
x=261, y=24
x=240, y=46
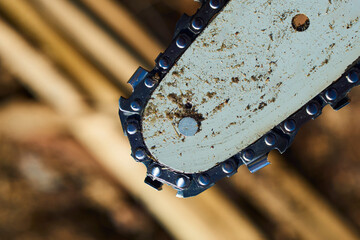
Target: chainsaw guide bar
x=238, y=80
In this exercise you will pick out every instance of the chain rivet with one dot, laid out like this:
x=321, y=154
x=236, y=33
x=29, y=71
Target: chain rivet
x=131, y=129
x=156, y=171
x=140, y=154
x=290, y=125
x=353, y=77
x=270, y=139
x=312, y=109
x=197, y=24
x=227, y=167
x=204, y=179
x=331, y=94
x=181, y=182
x=164, y=63
x=181, y=42
x=149, y=83
x=135, y=105
x=248, y=155
x=215, y=4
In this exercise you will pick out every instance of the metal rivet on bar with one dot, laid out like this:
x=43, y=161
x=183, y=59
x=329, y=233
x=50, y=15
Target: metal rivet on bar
x=188, y=126
x=131, y=129
x=312, y=109
x=353, y=77
x=248, y=155
x=290, y=125
x=331, y=94
x=135, y=105
x=156, y=171
x=204, y=179
x=215, y=4
x=140, y=154
x=164, y=63
x=149, y=83
x=181, y=182
x=197, y=24
x=227, y=167
x=270, y=139
x=181, y=41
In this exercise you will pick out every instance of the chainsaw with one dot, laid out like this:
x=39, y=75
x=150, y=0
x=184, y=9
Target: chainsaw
x=238, y=80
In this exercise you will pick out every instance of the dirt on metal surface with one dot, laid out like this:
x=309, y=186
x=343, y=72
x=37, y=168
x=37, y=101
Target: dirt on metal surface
x=244, y=77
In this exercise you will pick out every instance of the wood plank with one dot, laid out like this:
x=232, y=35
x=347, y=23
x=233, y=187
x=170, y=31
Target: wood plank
x=22, y=120
x=62, y=52
x=88, y=36
x=127, y=27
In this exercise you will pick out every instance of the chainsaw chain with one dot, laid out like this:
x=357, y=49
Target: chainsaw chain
x=255, y=155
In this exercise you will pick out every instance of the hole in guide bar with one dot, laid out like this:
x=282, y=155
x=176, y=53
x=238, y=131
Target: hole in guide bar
x=188, y=105
x=300, y=22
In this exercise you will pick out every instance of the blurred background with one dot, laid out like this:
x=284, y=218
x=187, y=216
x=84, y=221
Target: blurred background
x=65, y=166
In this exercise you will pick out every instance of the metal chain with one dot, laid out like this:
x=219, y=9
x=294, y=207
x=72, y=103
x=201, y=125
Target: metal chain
x=255, y=155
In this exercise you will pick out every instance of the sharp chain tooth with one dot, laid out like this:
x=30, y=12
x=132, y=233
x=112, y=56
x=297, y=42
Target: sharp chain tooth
x=255, y=155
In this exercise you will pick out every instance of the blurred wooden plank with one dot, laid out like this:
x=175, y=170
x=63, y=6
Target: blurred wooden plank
x=22, y=120
x=184, y=6
x=76, y=25
x=331, y=159
x=230, y=222
x=285, y=197
x=101, y=134
x=35, y=135
x=127, y=27
x=56, y=91
x=62, y=52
